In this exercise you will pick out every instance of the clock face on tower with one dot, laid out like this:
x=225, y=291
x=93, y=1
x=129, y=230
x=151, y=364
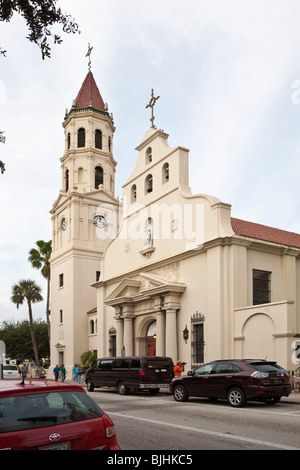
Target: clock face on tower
x=99, y=221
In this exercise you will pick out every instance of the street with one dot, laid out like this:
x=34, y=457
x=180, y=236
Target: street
x=149, y=422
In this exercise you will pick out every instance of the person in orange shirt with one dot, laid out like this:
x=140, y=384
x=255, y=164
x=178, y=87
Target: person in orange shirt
x=178, y=369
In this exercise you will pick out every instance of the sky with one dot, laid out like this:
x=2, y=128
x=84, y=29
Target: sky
x=228, y=76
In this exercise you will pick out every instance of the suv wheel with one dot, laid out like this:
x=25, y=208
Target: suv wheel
x=90, y=386
x=236, y=397
x=180, y=393
x=122, y=389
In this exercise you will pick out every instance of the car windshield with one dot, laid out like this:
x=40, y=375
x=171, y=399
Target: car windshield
x=43, y=409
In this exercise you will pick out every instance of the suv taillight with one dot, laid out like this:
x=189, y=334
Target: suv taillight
x=142, y=372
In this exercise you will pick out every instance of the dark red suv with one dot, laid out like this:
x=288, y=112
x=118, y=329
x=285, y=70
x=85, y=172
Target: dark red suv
x=236, y=380
x=44, y=414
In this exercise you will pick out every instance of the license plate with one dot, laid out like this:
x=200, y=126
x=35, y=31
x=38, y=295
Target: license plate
x=57, y=446
x=277, y=381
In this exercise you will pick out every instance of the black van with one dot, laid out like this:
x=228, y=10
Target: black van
x=130, y=373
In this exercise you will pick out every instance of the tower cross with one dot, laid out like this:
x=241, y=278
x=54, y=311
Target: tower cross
x=88, y=54
x=151, y=105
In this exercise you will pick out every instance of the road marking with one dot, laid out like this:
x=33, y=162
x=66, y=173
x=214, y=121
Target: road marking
x=205, y=431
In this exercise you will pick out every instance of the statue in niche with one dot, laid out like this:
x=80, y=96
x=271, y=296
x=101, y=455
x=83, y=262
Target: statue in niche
x=148, y=233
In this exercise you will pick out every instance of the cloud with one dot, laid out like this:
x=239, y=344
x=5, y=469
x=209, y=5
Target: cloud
x=224, y=72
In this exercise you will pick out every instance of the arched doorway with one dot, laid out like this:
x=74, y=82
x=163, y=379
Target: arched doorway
x=151, y=339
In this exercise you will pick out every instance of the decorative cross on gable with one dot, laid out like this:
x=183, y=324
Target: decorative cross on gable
x=88, y=54
x=151, y=105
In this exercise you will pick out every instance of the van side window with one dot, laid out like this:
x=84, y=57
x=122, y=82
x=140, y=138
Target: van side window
x=106, y=365
x=120, y=364
x=117, y=363
x=135, y=363
x=125, y=364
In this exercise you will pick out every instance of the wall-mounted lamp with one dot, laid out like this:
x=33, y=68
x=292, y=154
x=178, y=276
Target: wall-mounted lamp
x=185, y=334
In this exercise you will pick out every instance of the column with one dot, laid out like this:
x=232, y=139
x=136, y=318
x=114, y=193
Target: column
x=120, y=336
x=171, y=334
x=128, y=336
x=160, y=333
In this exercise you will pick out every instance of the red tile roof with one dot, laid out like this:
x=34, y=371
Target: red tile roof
x=89, y=94
x=94, y=310
x=262, y=232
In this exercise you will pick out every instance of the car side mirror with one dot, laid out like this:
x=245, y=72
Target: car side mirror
x=190, y=372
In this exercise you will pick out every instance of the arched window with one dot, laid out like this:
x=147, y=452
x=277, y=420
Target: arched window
x=92, y=327
x=81, y=137
x=151, y=331
x=69, y=141
x=148, y=184
x=148, y=155
x=133, y=193
x=80, y=175
x=165, y=173
x=98, y=176
x=67, y=180
x=112, y=342
x=109, y=144
x=98, y=139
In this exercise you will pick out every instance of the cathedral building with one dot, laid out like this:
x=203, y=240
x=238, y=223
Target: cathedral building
x=161, y=272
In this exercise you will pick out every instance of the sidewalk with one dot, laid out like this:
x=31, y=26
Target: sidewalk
x=294, y=397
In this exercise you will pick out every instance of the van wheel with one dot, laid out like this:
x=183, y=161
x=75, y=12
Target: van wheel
x=236, y=397
x=180, y=393
x=90, y=386
x=122, y=389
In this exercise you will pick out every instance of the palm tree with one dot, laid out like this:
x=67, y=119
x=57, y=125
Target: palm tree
x=28, y=290
x=40, y=259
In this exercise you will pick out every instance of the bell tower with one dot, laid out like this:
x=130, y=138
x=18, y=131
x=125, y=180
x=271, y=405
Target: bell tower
x=85, y=218
x=88, y=163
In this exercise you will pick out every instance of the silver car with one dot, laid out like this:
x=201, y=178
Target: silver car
x=10, y=371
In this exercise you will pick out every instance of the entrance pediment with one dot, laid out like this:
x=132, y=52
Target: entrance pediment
x=127, y=288
x=146, y=285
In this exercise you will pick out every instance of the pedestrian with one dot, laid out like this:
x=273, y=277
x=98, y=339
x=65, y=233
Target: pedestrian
x=24, y=371
x=79, y=374
x=56, y=371
x=63, y=373
x=75, y=376
x=178, y=369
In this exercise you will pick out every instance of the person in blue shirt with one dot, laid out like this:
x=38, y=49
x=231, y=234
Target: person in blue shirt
x=56, y=371
x=75, y=375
